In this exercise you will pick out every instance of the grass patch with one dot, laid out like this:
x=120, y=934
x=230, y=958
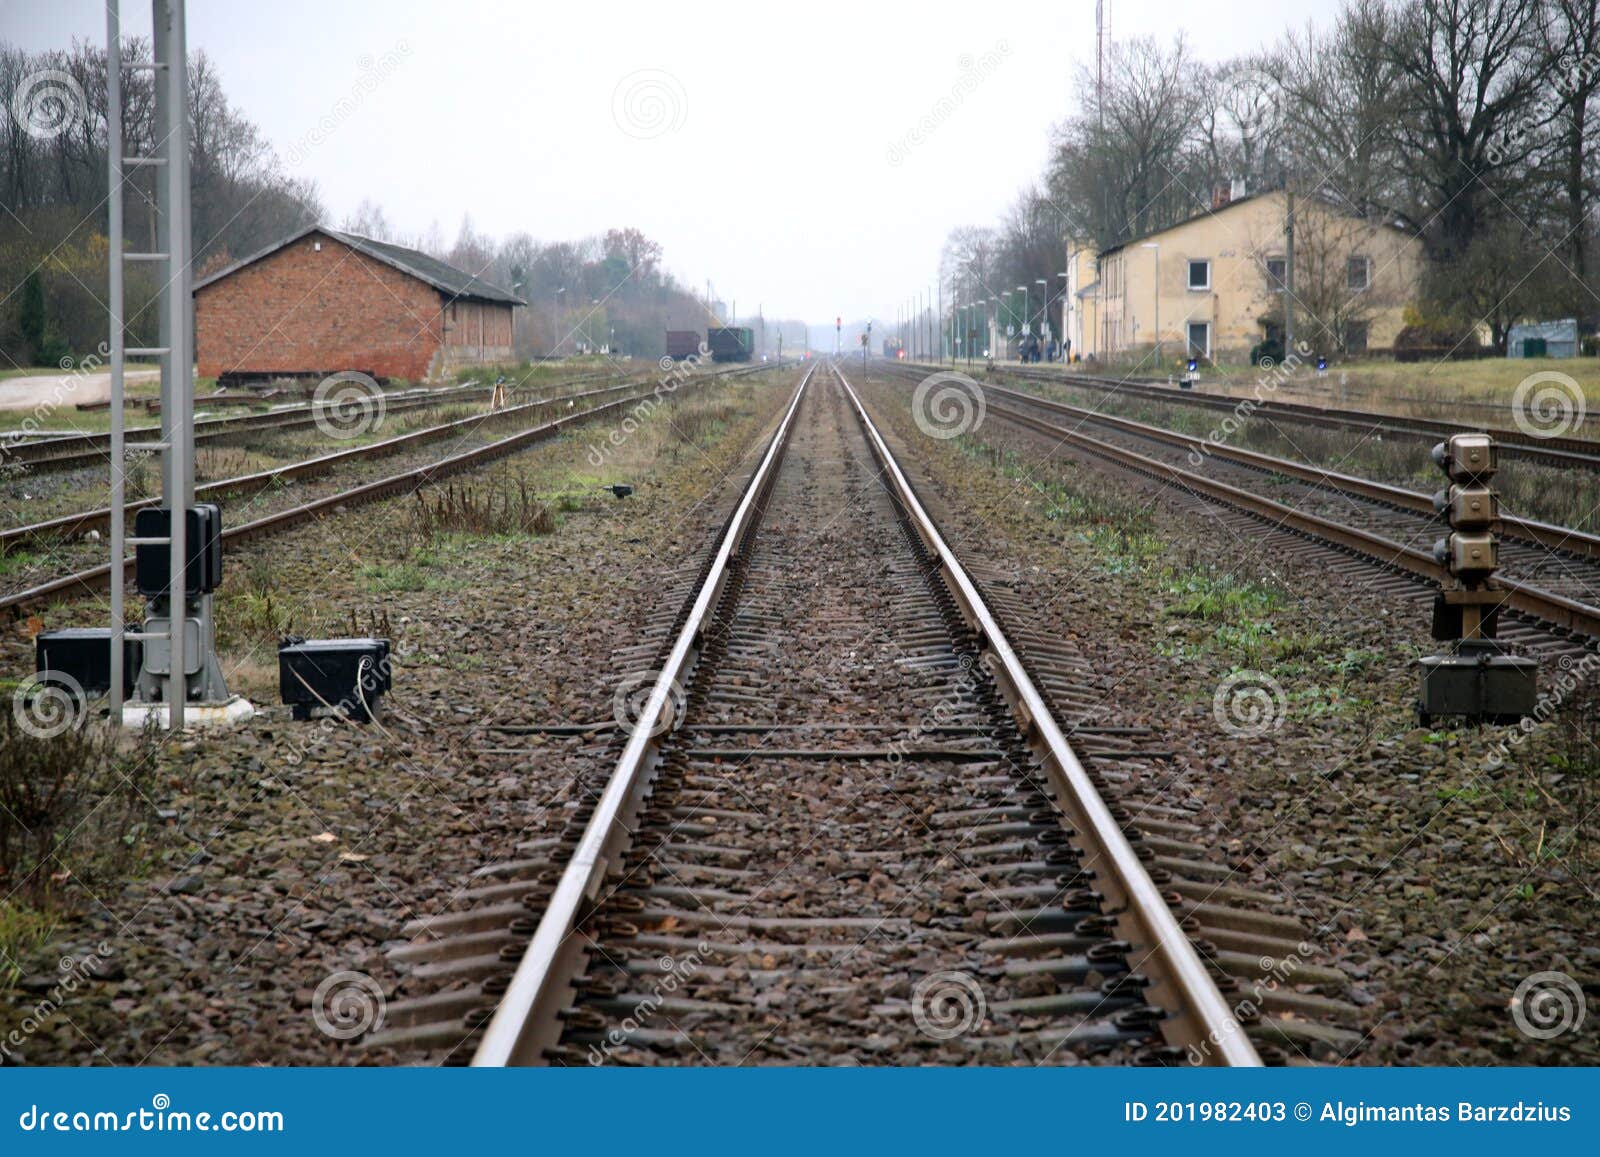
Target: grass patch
x=72, y=806
x=1566, y=497
x=494, y=508
x=23, y=931
x=387, y=578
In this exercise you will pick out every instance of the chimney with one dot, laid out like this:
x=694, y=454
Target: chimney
x=1220, y=196
x=1236, y=190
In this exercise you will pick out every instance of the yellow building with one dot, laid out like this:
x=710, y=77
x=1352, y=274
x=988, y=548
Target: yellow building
x=1212, y=287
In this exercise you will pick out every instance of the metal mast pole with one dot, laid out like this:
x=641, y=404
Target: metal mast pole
x=114, y=294
x=1288, y=272
x=172, y=127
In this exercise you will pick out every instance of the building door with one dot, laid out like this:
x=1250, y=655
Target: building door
x=1200, y=339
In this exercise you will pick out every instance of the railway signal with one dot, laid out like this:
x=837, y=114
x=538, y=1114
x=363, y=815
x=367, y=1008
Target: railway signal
x=1478, y=679
x=1191, y=374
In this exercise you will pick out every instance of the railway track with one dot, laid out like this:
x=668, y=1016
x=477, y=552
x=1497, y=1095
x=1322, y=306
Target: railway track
x=1560, y=452
x=841, y=817
x=1382, y=527
x=93, y=578
x=80, y=522
x=75, y=451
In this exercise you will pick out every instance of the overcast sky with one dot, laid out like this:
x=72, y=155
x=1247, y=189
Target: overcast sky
x=772, y=148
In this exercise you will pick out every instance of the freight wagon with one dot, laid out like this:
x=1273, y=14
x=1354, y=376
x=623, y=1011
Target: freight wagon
x=682, y=343
x=731, y=343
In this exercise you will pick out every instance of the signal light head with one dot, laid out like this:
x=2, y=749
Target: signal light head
x=1467, y=457
x=1468, y=555
x=1468, y=507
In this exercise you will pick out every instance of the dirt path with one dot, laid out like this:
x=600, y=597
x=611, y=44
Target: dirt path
x=62, y=388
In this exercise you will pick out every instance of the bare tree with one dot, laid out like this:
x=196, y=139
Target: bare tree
x=967, y=264
x=1121, y=167
x=1571, y=48
x=1340, y=95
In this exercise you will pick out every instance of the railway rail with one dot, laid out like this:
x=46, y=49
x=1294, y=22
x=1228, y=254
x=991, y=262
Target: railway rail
x=1561, y=452
x=835, y=794
x=1547, y=611
x=75, y=451
x=92, y=578
x=80, y=522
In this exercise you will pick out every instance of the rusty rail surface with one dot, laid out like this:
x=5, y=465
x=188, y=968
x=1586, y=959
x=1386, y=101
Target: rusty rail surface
x=1557, y=610
x=85, y=520
x=1562, y=452
x=1544, y=534
x=1198, y=1015
x=86, y=581
x=526, y=1023
x=72, y=451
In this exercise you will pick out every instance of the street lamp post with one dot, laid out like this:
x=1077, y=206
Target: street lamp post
x=555, y=321
x=1062, y=297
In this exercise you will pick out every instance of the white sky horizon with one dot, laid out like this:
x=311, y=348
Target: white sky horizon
x=777, y=155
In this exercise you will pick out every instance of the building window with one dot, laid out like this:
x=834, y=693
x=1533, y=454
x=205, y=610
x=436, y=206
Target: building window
x=1277, y=273
x=1199, y=275
x=1353, y=336
x=1358, y=273
x=1199, y=339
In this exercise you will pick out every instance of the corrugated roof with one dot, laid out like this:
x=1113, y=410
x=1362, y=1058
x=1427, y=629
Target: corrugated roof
x=443, y=276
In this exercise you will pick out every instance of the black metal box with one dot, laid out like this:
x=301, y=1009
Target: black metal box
x=203, y=538
x=83, y=655
x=346, y=674
x=1494, y=688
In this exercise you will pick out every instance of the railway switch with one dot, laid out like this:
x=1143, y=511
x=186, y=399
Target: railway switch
x=1478, y=679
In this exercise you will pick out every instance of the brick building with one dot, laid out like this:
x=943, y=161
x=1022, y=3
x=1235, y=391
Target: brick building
x=322, y=301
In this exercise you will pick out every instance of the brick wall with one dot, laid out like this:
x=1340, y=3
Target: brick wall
x=301, y=310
